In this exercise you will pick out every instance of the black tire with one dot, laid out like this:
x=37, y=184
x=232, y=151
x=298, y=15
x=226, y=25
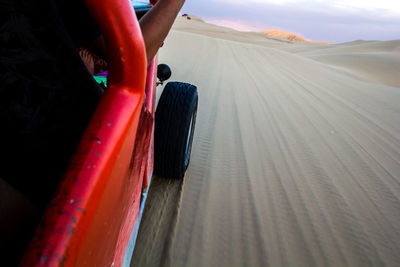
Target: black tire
x=174, y=128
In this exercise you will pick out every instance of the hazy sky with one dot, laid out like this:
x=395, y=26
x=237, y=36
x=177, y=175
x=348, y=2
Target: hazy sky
x=319, y=20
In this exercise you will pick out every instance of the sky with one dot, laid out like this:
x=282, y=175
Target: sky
x=333, y=21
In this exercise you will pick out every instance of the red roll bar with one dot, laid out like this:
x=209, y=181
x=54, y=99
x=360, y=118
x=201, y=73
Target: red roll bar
x=93, y=214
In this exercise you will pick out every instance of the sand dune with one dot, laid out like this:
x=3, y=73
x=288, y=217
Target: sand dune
x=290, y=36
x=285, y=35
x=296, y=157
x=374, y=60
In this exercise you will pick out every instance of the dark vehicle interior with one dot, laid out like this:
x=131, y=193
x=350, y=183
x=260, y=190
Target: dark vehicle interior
x=47, y=97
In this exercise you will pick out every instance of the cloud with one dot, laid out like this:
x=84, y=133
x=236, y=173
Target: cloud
x=239, y=25
x=314, y=20
x=384, y=6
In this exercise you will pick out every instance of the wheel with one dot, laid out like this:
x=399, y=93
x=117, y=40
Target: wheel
x=175, y=122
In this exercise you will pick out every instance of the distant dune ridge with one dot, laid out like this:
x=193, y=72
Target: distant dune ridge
x=290, y=36
x=283, y=34
x=295, y=158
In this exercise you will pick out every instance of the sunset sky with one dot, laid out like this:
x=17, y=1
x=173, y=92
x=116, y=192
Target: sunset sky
x=319, y=20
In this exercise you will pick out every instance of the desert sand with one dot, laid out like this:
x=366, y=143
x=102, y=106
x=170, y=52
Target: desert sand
x=296, y=155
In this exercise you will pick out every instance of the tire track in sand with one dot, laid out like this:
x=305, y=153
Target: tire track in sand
x=294, y=163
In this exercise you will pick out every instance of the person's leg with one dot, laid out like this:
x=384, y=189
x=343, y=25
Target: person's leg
x=47, y=98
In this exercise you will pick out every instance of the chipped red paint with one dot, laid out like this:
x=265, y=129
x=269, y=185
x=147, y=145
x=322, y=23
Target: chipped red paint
x=92, y=217
x=151, y=84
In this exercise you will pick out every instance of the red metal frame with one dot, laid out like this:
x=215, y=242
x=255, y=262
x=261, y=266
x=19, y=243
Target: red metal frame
x=92, y=217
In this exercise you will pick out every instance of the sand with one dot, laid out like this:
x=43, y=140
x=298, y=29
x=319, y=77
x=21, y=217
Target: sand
x=295, y=160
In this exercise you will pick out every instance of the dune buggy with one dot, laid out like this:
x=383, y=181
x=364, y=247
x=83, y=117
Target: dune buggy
x=95, y=211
